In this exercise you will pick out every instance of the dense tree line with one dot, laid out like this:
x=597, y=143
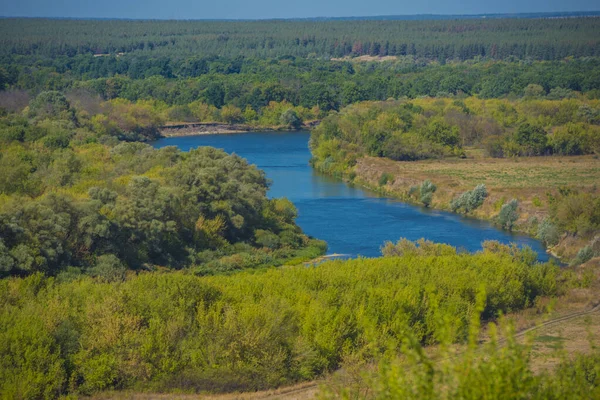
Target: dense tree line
x=409, y=130
x=248, y=331
x=263, y=91
x=248, y=65
x=496, y=370
x=542, y=39
x=253, y=83
x=74, y=198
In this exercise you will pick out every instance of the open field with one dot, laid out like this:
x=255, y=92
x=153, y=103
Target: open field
x=521, y=178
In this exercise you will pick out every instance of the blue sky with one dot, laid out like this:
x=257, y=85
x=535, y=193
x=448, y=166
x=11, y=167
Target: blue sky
x=242, y=9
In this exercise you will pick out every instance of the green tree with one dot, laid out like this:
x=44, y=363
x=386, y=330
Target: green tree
x=215, y=95
x=532, y=139
x=290, y=118
x=51, y=104
x=440, y=132
x=426, y=191
x=509, y=214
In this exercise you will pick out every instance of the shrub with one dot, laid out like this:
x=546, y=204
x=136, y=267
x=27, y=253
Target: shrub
x=583, y=255
x=470, y=200
x=509, y=214
x=595, y=245
x=232, y=114
x=50, y=104
x=497, y=369
x=57, y=141
x=440, y=132
x=569, y=139
x=426, y=192
x=575, y=212
x=421, y=247
x=532, y=140
x=386, y=178
x=559, y=93
x=411, y=147
x=246, y=331
x=290, y=119
x=534, y=91
x=267, y=239
x=30, y=361
x=494, y=146
x=548, y=232
x=108, y=268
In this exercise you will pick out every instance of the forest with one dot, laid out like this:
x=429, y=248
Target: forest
x=129, y=268
x=308, y=64
x=249, y=85
x=74, y=200
x=462, y=39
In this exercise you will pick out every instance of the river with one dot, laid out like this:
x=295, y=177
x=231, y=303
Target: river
x=352, y=220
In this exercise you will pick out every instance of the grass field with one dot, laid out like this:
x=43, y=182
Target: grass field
x=528, y=179
x=523, y=177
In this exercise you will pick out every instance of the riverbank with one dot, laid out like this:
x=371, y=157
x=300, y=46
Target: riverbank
x=531, y=180
x=212, y=128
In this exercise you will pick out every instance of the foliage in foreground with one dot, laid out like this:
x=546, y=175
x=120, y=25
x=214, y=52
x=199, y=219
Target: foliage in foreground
x=246, y=331
x=499, y=369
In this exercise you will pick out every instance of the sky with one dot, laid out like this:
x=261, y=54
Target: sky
x=262, y=9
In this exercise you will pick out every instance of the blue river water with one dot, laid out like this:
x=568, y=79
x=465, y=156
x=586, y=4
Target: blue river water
x=353, y=221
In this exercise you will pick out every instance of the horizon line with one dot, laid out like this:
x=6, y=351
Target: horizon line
x=420, y=16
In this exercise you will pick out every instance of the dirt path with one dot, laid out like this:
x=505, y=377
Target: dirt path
x=558, y=320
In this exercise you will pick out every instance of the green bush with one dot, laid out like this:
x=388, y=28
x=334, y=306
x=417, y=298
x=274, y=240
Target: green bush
x=50, y=104
x=100, y=208
x=266, y=239
x=290, y=119
x=470, y=200
x=385, y=178
x=509, y=214
x=411, y=147
x=247, y=331
x=575, y=212
x=532, y=140
x=421, y=247
x=548, y=232
x=583, y=255
x=426, y=192
x=108, y=267
x=497, y=369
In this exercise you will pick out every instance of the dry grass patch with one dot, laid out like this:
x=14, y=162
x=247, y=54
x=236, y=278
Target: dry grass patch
x=529, y=174
x=528, y=179
x=578, y=336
